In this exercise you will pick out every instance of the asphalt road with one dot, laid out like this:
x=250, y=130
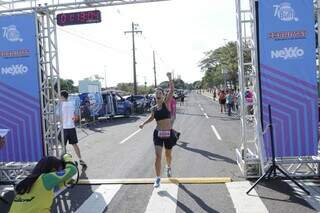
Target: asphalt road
x=197, y=148
x=117, y=149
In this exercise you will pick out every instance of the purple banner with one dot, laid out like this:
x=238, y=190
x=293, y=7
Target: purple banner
x=20, y=110
x=288, y=76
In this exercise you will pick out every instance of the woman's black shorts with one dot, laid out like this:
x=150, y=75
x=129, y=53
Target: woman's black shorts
x=167, y=142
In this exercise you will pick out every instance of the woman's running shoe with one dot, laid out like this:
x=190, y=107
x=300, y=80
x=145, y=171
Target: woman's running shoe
x=157, y=182
x=169, y=172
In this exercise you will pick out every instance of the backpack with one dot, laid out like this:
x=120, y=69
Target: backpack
x=222, y=96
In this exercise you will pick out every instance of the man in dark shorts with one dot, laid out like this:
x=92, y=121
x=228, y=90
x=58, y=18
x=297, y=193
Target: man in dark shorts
x=68, y=120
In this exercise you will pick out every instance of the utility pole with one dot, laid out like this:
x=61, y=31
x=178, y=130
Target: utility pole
x=145, y=83
x=133, y=32
x=154, y=70
x=105, y=77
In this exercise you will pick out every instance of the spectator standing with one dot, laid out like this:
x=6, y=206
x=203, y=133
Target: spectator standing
x=222, y=101
x=214, y=94
x=229, y=100
x=67, y=110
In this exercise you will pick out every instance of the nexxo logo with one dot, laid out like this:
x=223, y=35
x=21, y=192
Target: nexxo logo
x=11, y=33
x=287, y=53
x=285, y=12
x=15, y=69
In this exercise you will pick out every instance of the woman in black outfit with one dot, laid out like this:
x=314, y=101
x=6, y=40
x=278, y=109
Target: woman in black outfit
x=163, y=135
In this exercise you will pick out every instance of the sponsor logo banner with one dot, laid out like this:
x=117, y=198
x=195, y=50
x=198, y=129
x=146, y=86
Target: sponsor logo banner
x=289, y=35
x=15, y=53
x=287, y=53
x=20, y=110
x=288, y=76
x=285, y=12
x=16, y=69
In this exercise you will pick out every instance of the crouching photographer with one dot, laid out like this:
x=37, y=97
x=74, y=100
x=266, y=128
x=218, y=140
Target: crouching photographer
x=36, y=192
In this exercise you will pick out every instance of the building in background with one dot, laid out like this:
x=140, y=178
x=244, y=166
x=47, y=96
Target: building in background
x=89, y=86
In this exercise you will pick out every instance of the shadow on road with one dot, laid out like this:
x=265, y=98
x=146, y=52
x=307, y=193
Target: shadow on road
x=209, y=155
x=182, y=206
x=72, y=198
x=99, y=126
x=112, y=122
x=179, y=204
x=197, y=199
x=285, y=189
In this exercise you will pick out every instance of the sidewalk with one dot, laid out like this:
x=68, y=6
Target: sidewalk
x=210, y=96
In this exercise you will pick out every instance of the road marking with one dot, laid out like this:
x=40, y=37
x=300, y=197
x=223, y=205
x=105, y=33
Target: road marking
x=130, y=136
x=164, y=199
x=199, y=180
x=216, y=132
x=205, y=114
x=99, y=199
x=242, y=202
x=201, y=109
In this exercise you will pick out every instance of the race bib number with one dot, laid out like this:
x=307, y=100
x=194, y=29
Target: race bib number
x=164, y=134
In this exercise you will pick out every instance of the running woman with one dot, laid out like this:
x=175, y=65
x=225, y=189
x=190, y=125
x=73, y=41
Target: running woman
x=35, y=193
x=163, y=135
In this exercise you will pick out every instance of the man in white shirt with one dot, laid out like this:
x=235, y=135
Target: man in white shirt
x=68, y=121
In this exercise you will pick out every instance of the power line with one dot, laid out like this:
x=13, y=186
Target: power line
x=158, y=54
x=95, y=42
x=146, y=39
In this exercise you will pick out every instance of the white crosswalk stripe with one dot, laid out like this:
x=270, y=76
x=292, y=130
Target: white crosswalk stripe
x=244, y=203
x=164, y=199
x=99, y=199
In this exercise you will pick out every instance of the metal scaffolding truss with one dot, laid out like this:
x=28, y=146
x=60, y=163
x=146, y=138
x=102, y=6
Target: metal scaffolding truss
x=250, y=157
x=9, y=6
x=50, y=82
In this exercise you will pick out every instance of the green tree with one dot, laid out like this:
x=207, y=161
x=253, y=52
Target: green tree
x=178, y=84
x=197, y=85
x=214, y=61
x=128, y=87
x=68, y=85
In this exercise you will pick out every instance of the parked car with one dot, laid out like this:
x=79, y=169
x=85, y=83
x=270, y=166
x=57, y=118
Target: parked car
x=115, y=104
x=90, y=105
x=150, y=100
x=140, y=102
